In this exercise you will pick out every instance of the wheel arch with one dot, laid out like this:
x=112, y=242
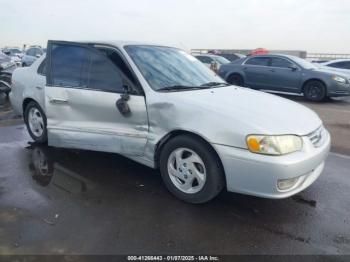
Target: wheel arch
x=235, y=73
x=313, y=79
x=159, y=146
x=26, y=101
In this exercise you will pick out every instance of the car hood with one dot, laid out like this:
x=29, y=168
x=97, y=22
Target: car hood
x=227, y=115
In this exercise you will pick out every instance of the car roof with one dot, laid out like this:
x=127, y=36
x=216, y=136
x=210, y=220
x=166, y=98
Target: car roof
x=336, y=61
x=210, y=55
x=117, y=43
x=274, y=55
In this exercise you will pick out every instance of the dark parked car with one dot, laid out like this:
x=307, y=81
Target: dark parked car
x=286, y=73
x=6, y=69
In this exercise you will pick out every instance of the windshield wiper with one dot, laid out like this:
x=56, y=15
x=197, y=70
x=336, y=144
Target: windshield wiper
x=215, y=84
x=180, y=88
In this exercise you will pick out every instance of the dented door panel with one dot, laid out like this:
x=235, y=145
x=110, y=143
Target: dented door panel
x=89, y=119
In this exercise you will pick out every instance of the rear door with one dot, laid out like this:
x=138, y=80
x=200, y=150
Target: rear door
x=284, y=75
x=256, y=72
x=83, y=87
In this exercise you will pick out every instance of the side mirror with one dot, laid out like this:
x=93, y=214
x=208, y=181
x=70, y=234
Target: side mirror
x=37, y=55
x=122, y=102
x=293, y=67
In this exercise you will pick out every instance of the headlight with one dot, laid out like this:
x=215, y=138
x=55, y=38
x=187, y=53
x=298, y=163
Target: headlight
x=274, y=145
x=339, y=79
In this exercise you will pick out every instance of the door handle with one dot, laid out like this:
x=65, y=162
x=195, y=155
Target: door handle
x=58, y=101
x=272, y=70
x=39, y=87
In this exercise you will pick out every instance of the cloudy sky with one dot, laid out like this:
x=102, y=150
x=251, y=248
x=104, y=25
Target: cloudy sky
x=312, y=25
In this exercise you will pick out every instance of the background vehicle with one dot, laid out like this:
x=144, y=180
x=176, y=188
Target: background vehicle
x=6, y=69
x=33, y=53
x=140, y=100
x=341, y=65
x=285, y=73
x=212, y=61
x=15, y=53
x=232, y=57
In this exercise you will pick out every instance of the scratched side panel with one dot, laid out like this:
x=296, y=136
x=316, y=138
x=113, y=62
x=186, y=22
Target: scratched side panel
x=90, y=120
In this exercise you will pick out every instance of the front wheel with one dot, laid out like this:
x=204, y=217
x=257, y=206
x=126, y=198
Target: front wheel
x=191, y=170
x=35, y=120
x=236, y=79
x=315, y=91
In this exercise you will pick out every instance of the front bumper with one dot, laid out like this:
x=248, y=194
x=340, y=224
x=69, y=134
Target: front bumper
x=257, y=175
x=338, y=89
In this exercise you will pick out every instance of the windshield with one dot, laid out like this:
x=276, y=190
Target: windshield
x=304, y=63
x=165, y=67
x=15, y=51
x=222, y=60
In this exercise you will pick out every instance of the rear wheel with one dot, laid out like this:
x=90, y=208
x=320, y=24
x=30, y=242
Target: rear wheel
x=315, y=91
x=191, y=170
x=236, y=79
x=35, y=120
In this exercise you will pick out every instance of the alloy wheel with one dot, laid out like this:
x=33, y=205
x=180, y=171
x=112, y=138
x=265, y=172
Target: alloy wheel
x=36, y=122
x=186, y=170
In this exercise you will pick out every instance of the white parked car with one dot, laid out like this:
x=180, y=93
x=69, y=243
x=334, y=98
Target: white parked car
x=163, y=108
x=340, y=65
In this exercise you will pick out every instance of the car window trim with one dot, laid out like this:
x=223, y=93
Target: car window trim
x=89, y=46
x=270, y=60
x=244, y=63
x=40, y=66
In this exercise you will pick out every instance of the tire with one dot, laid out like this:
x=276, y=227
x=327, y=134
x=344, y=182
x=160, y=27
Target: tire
x=236, y=79
x=37, y=129
x=203, y=172
x=315, y=91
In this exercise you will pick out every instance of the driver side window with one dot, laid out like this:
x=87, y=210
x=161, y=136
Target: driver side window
x=75, y=66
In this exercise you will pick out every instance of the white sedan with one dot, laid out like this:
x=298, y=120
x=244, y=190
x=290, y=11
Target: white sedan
x=163, y=108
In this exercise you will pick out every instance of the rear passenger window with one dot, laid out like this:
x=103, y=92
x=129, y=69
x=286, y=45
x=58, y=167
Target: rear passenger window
x=280, y=62
x=79, y=66
x=258, y=61
x=69, y=66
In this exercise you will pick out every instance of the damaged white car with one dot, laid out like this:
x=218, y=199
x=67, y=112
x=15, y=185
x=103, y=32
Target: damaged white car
x=163, y=108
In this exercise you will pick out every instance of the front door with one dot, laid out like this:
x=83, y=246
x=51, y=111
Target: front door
x=284, y=75
x=83, y=87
